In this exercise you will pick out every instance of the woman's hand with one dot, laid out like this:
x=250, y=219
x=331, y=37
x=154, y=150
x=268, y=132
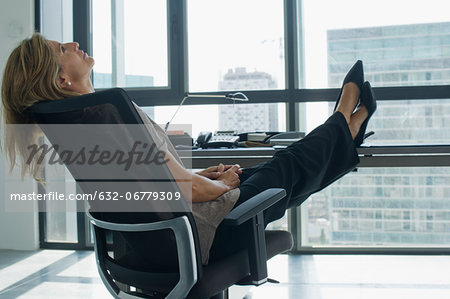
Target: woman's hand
x=214, y=172
x=230, y=177
x=201, y=187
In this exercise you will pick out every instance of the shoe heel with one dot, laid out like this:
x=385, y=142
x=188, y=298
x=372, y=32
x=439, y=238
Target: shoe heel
x=369, y=101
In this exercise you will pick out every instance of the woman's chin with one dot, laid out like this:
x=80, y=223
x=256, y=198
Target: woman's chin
x=91, y=61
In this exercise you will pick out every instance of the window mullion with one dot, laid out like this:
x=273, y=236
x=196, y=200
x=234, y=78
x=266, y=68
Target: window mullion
x=82, y=24
x=177, y=31
x=117, y=40
x=291, y=62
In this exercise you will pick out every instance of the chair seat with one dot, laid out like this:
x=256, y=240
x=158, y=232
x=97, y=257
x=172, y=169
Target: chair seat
x=222, y=274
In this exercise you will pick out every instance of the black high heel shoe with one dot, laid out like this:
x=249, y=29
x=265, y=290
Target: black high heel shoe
x=355, y=75
x=369, y=101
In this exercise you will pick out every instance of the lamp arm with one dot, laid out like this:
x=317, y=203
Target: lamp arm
x=237, y=96
x=173, y=116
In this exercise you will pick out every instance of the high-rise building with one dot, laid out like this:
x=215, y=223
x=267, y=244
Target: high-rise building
x=417, y=54
x=248, y=117
x=391, y=206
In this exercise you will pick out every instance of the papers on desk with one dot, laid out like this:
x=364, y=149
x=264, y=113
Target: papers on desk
x=253, y=144
x=265, y=140
x=257, y=137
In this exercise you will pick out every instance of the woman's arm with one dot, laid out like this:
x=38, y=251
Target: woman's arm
x=200, y=188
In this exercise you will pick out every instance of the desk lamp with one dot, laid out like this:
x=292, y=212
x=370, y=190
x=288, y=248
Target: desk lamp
x=235, y=96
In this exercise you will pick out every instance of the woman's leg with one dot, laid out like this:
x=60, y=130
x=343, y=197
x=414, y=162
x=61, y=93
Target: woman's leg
x=305, y=167
x=354, y=121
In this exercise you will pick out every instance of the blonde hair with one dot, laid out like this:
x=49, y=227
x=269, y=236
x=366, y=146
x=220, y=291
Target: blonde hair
x=30, y=76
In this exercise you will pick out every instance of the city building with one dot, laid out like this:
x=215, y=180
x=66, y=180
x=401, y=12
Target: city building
x=248, y=117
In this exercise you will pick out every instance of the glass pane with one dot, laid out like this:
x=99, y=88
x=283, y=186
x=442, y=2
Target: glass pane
x=60, y=226
x=411, y=122
x=363, y=208
x=57, y=20
x=130, y=43
x=240, y=117
x=236, y=45
x=396, y=122
x=397, y=48
x=381, y=207
x=101, y=43
x=280, y=224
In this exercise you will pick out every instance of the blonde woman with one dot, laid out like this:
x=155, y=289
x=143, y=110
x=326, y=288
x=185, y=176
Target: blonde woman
x=40, y=69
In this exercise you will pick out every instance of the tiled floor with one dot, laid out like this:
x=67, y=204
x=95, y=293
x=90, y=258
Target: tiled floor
x=357, y=277
x=50, y=274
x=72, y=274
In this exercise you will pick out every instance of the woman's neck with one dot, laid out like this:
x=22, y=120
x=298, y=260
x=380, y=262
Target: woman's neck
x=84, y=87
x=88, y=88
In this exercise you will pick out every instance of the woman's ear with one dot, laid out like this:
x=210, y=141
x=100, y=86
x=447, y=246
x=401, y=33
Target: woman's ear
x=64, y=82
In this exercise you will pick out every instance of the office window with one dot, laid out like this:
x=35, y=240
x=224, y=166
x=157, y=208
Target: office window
x=394, y=191
x=130, y=43
x=240, y=45
x=60, y=227
x=235, y=45
x=388, y=191
x=391, y=44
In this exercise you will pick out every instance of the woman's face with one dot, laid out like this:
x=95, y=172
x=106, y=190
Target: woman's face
x=75, y=63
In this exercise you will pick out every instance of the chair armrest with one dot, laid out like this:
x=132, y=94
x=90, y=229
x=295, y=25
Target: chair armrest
x=253, y=206
x=250, y=214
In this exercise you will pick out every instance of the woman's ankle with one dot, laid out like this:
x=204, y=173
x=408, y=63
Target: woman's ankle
x=357, y=119
x=349, y=100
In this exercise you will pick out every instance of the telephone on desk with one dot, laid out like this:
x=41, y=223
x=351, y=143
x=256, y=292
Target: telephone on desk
x=218, y=139
x=231, y=139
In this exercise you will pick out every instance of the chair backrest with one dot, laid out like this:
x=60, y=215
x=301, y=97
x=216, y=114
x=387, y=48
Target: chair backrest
x=148, y=251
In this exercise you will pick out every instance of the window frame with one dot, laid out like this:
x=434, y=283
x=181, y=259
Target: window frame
x=293, y=96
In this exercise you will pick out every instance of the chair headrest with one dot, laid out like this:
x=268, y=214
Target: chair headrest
x=44, y=111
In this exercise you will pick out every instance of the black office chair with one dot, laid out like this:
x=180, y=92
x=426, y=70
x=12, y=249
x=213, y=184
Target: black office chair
x=157, y=254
